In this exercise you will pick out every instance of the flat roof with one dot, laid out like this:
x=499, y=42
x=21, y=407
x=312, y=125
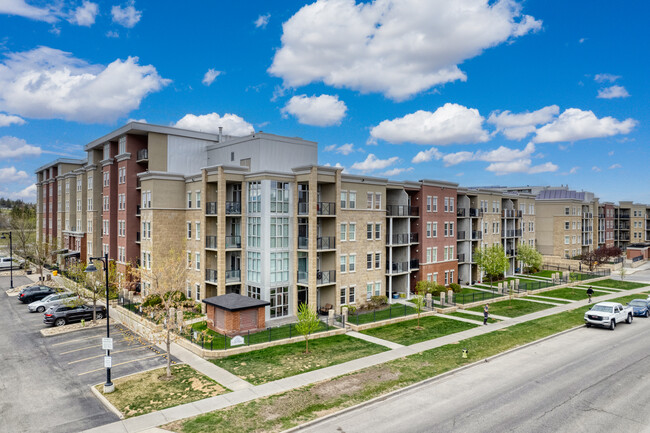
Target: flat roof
x=235, y=302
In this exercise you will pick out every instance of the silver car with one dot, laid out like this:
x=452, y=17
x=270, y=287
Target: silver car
x=6, y=263
x=50, y=301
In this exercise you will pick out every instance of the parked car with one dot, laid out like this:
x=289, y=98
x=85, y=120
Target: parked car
x=6, y=263
x=34, y=293
x=60, y=315
x=640, y=307
x=608, y=314
x=50, y=301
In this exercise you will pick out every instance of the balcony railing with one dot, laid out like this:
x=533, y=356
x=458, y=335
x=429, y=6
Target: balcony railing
x=477, y=235
x=625, y=216
x=233, y=241
x=326, y=243
x=398, y=239
x=587, y=215
x=397, y=267
x=303, y=208
x=461, y=212
x=460, y=235
x=601, y=215
x=402, y=210
x=511, y=252
x=587, y=228
x=414, y=264
x=303, y=277
x=475, y=212
x=211, y=208
x=211, y=275
x=511, y=213
x=511, y=233
x=325, y=277
x=233, y=276
x=143, y=155
x=325, y=208
x=233, y=207
x=211, y=242
x=303, y=242
x=461, y=258
x=413, y=238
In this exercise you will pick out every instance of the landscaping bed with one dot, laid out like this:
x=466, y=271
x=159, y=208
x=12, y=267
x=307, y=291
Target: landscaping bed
x=278, y=362
x=513, y=308
x=406, y=333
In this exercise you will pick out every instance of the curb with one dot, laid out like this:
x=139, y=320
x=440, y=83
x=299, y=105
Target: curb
x=424, y=382
x=99, y=325
x=105, y=401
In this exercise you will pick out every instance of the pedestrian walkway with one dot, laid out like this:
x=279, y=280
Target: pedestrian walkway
x=460, y=319
x=152, y=420
x=549, y=298
x=374, y=340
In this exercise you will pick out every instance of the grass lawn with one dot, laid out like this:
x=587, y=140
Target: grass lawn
x=146, y=392
x=406, y=333
x=535, y=298
x=616, y=284
x=545, y=274
x=395, y=310
x=472, y=317
x=572, y=294
x=277, y=362
x=513, y=308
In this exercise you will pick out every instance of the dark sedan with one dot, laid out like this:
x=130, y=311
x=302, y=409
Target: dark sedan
x=63, y=314
x=34, y=293
x=640, y=307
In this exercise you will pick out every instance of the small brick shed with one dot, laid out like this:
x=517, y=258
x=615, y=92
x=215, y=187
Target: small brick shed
x=232, y=313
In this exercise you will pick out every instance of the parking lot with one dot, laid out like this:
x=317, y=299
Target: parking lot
x=44, y=381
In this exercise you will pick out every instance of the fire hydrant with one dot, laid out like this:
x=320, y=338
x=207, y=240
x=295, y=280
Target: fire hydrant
x=465, y=352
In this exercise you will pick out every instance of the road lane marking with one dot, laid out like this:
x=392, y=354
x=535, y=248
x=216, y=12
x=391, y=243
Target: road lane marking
x=122, y=363
x=113, y=352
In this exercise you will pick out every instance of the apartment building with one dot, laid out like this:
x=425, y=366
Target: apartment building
x=606, y=221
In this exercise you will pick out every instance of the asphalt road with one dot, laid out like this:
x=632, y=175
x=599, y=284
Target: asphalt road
x=589, y=380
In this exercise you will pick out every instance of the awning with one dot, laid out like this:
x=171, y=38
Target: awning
x=61, y=251
x=72, y=254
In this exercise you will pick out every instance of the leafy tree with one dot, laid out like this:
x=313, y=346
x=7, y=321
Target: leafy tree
x=529, y=256
x=492, y=260
x=307, y=323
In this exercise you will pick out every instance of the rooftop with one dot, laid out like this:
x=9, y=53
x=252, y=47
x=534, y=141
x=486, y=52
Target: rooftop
x=235, y=302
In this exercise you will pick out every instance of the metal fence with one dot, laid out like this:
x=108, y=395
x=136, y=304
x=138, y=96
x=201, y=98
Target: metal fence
x=392, y=312
x=580, y=268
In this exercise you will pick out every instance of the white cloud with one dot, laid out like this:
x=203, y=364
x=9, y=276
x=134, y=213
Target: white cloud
x=518, y=126
x=449, y=124
x=614, y=166
x=231, y=123
x=85, y=14
x=210, y=76
x=14, y=147
x=520, y=166
x=112, y=34
x=395, y=48
x=47, y=83
x=10, y=174
x=372, y=163
x=344, y=149
x=610, y=153
x=575, y=124
x=501, y=154
x=48, y=14
x=323, y=110
x=137, y=120
x=426, y=155
x=601, y=78
x=582, y=40
x=7, y=120
x=396, y=171
x=596, y=168
x=613, y=92
x=26, y=194
x=574, y=170
x=127, y=16
x=262, y=21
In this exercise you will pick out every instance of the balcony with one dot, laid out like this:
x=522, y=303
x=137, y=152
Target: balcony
x=511, y=213
x=211, y=242
x=414, y=264
x=211, y=275
x=397, y=267
x=138, y=208
x=398, y=239
x=233, y=208
x=402, y=210
x=413, y=238
x=326, y=243
x=601, y=215
x=511, y=253
x=460, y=235
x=303, y=242
x=587, y=228
x=137, y=238
x=211, y=208
x=233, y=276
x=625, y=216
x=233, y=241
x=477, y=235
x=461, y=258
x=325, y=277
x=325, y=208
x=511, y=233
x=461, y=212
x=587, y=215
x=142, y=155
x=303, y=208
x=474, y=212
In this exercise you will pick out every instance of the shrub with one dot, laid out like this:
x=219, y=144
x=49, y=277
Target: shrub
x=151, y=301
x=455, y=287
x=378, y=301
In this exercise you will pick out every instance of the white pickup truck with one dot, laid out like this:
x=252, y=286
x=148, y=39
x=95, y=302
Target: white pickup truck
x=608, y=314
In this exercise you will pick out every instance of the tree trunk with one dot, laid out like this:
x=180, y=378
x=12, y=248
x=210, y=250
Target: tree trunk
x=94, y=308
x=169, y=352
x=306, y=344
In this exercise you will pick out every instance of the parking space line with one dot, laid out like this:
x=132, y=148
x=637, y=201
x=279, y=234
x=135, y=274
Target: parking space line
x=100, y=335
x=122, y=363
x=86, y=347
x=112, y=353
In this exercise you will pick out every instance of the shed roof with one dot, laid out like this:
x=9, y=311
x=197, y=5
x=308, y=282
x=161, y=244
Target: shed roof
x=235, y=302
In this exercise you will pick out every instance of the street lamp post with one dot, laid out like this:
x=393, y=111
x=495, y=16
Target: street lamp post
x=108, y=386
x=11, y=254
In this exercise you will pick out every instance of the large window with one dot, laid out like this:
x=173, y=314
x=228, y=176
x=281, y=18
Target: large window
x=279, y=302
x=352, y=233
x=279, y=197
x=369, y=231
x=279, y=232
x=279, y=267
x=254, y=232
x=353, y=200
x=344, y=199
x=253, y=292
x=254, y=197
x=253, y=266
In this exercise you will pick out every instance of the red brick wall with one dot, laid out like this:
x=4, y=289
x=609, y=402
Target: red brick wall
x=111, y=214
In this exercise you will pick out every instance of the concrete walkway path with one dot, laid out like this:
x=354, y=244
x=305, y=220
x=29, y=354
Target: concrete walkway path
x=549, y=298
x=461, y=319
x=152, y=420
x=375, y=340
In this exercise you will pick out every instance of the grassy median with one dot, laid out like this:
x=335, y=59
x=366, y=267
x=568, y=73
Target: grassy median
x=471, y=317
x=513, y=308
x=617, y=284
x=407, y=332
x=571, y=293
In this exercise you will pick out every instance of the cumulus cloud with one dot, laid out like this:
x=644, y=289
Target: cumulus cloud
x=262, y=21
x=26, y=194
x=85, y=14
x=574, y=170
x=232, y=124
x=518, y=126
x=596, y=168
x=7, y=120
x=396, y=171
x=49, y=14
x=323, y=110
x=127, y=16
x=11, y=174
x=427, y=155
x=575, y=124
x=210, y=76
x=395, y=48
x=520, y=166
x=602, y=78
x=614, y=166
x=344, y=149
x=613, y=92
x=372, y=163
x=47, y=83
x=14, y=147
x=449, y=124
x=501, y=154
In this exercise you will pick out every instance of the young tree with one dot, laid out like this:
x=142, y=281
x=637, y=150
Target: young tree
x=623, y=273
x=76, y=283
x=529, y=256
x=307, y=323
x=492, y=260
x=418, y=301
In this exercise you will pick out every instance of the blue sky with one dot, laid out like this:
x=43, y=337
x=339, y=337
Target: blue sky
x=481, y=93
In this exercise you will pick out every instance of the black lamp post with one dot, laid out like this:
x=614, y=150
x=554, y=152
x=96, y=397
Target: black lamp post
x=11, y=254
x=108, y=386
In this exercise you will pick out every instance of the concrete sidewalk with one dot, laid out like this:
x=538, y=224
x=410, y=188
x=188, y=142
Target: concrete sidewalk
x=374, y=340
x=149, y=421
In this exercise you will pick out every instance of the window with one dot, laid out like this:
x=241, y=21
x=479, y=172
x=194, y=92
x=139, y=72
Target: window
x=189, y=260
x=369, y=261
x=369, y=197
x=445, y=256
x=279, y=302
x=369, y=288
x=352, y=235
x=447, y=229
x=107, y=178
x=377, y=231
x=531, y=226
x=253, y=261
x=377, y=288
x=254, y=197
x=351, y=294
x=188, y=290
x=378, y=201
x=352, y=200
x=435, y=277
x=189, y=230
x=344, y=199
x=89, y=227
x=198, y=230
x=428, y=203
x=279, y=232
x=280, y=197
x=189, y=200
x=446, y=278
x=197, y=259
x=279, y=267
x=451, y=204
x=90, y=182
x=451, y=229
x=434, y=254
x=344, y=263
x=253, y=231
x=369, y=231
x=342, y=296
x=79, y=184
x=352, y=262
x=567, y=240
x=429, y=277
x=344, y=231
x=197, y=289
x=377, y=260
x=451, y=253
x=446, y=204
x=253, y=292
x=78, y=205
x=428, y=255
x=429, y=227
x=121, y=145
x=566, y=225
x=434, y=230
x=566, y=211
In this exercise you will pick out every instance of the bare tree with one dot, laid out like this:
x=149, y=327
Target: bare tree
x=23, y=227
x=41, y=252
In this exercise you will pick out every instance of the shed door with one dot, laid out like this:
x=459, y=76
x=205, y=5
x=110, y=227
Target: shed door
x=248, y=319
x=220, y=318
